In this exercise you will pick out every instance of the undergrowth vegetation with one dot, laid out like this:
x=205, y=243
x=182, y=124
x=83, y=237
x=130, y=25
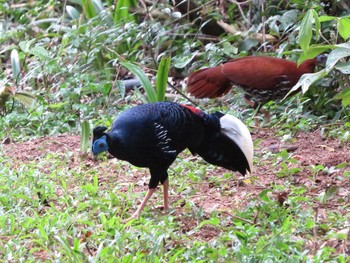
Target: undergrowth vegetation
x=63, y=69
x=50, y=210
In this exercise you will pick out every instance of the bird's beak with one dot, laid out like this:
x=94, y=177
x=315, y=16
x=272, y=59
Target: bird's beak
x=239, y=133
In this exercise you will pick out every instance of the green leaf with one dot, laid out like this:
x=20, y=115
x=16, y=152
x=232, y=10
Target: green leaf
x=26, y=45
x=98, y=6
x=325, y=196
x=345, y=97
x=57, y=105
x=313, y=51
x=42, y=231
x=16, y=66
x=72, y=12
x=40, y=52
x=162, y=77
x=214, y=221
x=122, y=10
x=307, y=80
x=264, y=195
x=344, y=27
x=326, y=18
x=306, y=30
x=141, y=76
x=341, y=51
x=183, y=61
x=317, y=24
x=88, y=9
x=174, y=258
x=85, y=135
x=343, y=67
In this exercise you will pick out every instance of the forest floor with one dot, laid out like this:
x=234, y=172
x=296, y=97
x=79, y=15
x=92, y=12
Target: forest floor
x=317, y=163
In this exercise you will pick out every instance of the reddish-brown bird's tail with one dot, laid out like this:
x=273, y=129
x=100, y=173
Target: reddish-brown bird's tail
x=208, y=83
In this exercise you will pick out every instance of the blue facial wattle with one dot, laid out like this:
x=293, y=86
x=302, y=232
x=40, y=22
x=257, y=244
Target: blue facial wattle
x=100, y=145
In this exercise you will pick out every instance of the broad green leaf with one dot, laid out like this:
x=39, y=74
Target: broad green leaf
x=15, y=63
x=122, y=10
x=307, y=80
x=98, y=6
x=317, y=24
x=141, y=76
x=313, y=51
x=85, y=135
x=214, y=221
x=344, y=96
x=24, y=197
x=57, y=105
x=341, y=51
x=88, y=9
x=26, y=45
x=264, y=195
x=346, y=101
x=178, y=252
x=229, y=49
x=42, y=231
x=305, y=33
x=162, y=78
x=327, y=18
x=40, y=52
x=344, y=27
x=72, y=12
x=343, y=67
x=184, y=60
x=325, y=196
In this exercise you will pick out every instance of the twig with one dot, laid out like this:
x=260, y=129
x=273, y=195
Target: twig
x=240, y=9
x=145, y=7
x=239, y=218
x=182, y=94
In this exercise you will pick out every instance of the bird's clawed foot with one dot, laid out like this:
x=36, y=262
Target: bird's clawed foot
x=135, y=216
x=163, y=208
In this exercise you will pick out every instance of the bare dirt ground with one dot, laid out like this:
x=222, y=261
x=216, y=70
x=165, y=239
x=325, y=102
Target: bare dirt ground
x=308, y=149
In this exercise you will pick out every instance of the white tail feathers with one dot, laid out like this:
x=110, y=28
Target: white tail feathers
x=236, y=130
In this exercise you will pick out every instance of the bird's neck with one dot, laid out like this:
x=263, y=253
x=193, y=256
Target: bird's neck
x=307, y=66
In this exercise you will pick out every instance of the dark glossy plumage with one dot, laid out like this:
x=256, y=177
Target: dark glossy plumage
x=262, y=78
x=152, y=135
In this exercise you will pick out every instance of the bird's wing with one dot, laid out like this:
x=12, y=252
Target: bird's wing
x=164, y=141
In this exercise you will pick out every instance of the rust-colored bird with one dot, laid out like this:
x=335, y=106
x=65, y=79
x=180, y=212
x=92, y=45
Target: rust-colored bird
x=262, y=78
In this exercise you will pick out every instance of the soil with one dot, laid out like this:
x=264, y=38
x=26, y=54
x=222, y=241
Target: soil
x=329, y=157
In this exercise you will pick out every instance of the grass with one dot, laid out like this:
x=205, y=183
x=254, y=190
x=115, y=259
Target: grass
x=64, y=208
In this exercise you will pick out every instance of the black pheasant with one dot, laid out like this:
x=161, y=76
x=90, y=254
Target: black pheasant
x=152, y=135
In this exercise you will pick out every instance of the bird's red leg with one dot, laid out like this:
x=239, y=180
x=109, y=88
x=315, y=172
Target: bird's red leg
x=143, y=204
x=267, y=115
x=253, y=105
x=166, y=194
x=249, y=102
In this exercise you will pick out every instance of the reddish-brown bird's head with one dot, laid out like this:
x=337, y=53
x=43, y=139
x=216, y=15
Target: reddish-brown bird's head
x=262, y=78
